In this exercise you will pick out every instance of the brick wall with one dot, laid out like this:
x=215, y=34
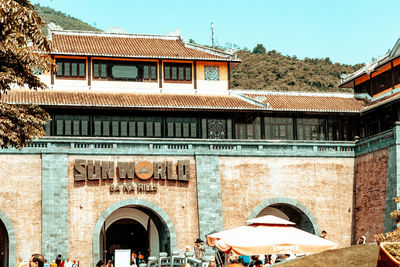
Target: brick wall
x=20, y=200
x=179, y=201
x=324, y=186
x=371, y=177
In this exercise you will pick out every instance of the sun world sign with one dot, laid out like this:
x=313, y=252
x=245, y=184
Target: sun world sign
x=95, y=170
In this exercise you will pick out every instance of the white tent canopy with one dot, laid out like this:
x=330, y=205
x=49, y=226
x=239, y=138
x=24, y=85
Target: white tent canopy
x=268, y=235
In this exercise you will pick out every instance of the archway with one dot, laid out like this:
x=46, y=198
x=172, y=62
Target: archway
x=7, y=242
x=3, y=246
x=288, y=209
x=133, y=224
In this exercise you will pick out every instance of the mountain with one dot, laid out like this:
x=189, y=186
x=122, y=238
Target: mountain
x=273, y=71
x=258, y=71
x=61, y=19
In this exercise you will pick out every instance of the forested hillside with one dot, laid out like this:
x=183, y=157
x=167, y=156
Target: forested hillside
x=259, y=70
x=273, y=71
x=65, y=21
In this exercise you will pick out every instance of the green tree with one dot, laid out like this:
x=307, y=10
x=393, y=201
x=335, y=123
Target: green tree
x=19, y=27
x=259, y=49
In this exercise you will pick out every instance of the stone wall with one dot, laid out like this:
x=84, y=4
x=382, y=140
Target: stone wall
x=370, y=178
x=323, y=185
x=178, y=200
x=20, y=201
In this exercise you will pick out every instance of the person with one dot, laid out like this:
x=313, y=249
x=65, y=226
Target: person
x=20, y=262
x=110, y=264
x=100, y=263
x=254, y=258
x=75, y=263
x=245, y=260
x=324, y=234
x=46, y=264
x=258, y=263
x=212, y=262
x=53, y=264
x=67, y=263
x=361, y=240
x=36, y=260
x=198, y=249
x=58, y=260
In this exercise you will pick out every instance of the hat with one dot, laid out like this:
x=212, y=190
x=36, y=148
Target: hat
x=198, y=240
x=59, y=256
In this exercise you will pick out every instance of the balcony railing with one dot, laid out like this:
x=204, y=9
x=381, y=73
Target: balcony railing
x=136, y=146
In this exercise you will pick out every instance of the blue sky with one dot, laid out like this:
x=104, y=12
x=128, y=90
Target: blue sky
x=346, y=31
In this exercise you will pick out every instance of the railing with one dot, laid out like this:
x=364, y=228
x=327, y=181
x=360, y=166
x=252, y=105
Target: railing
x=81, y=145
x=375, y=142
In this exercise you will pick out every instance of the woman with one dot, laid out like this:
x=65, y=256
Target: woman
x=109, y=264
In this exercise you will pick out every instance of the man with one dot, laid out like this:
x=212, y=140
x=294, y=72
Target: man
x=198, y=249
x=36, y=260
x=324, y=234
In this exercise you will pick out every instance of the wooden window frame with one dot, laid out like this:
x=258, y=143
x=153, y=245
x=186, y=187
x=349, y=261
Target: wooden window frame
x=177, y=65
x=139, y=64
x=70, y=61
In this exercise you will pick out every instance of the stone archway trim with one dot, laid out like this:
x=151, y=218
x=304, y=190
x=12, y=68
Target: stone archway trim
x=285, y=200
x=127, y=202
x=12, y=241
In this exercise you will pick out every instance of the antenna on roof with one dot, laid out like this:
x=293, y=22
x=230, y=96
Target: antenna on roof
x=212, y=34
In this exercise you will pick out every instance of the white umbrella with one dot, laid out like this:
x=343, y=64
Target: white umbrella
x=269, y=235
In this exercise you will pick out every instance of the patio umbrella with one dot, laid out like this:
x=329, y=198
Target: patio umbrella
x=268, y=235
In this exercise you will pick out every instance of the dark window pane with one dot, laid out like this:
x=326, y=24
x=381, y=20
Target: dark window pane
x=74, y=69
x=170, y=129
x=81, y=69
x=149, y=129
x=157, y=129
x=103, y=71
x=124, y=128
x=75, y=125
x=115, y=128
x=106, y=128
x=60, y=69
x=174, y=73
x=67, y=68
x=181, y=73
x=167, y=73
x=96, y=70
x=123, y=72
x=193, y=129
x=153, y=72
x=60, y=127
x=188, y=74
x=97, y=128
x=185, y=129
x=68, y=127
x=85, y=128
x=146, y=72
x=178, y=129
x=140, y=126
x=132, y=128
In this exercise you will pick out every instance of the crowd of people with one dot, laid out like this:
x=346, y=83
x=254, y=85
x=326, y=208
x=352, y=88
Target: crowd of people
x=40, y=261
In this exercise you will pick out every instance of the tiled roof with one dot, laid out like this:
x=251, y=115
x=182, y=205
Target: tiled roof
x=134, y=46
x=154, y=101
x=382, y=101
x=308, y=102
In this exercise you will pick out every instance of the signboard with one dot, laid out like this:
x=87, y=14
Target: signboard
x=122, y=258
x=132, y=176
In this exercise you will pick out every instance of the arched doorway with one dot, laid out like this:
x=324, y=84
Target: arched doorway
x=3, y=245
x=133, y=224
x=288, y=209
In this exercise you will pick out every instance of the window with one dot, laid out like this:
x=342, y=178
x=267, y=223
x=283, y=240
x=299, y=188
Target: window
x=182, y=127
x=71, y=68
x=310, y=129
x=278, y=128
x=211, y=73
x=178, y=72
x=124, y=126
x=71, y=125
x=249, y=130
x=124, y=71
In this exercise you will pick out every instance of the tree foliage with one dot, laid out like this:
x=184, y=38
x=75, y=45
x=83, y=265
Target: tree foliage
x=259, y=49
x=276, y=72
x=19, y=27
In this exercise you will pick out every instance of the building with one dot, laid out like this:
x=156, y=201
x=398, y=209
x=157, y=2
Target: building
x=148, y=149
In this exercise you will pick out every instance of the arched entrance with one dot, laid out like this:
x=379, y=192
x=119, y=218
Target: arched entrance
x=288, y=209
x=3, y=245
x=133, y=224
